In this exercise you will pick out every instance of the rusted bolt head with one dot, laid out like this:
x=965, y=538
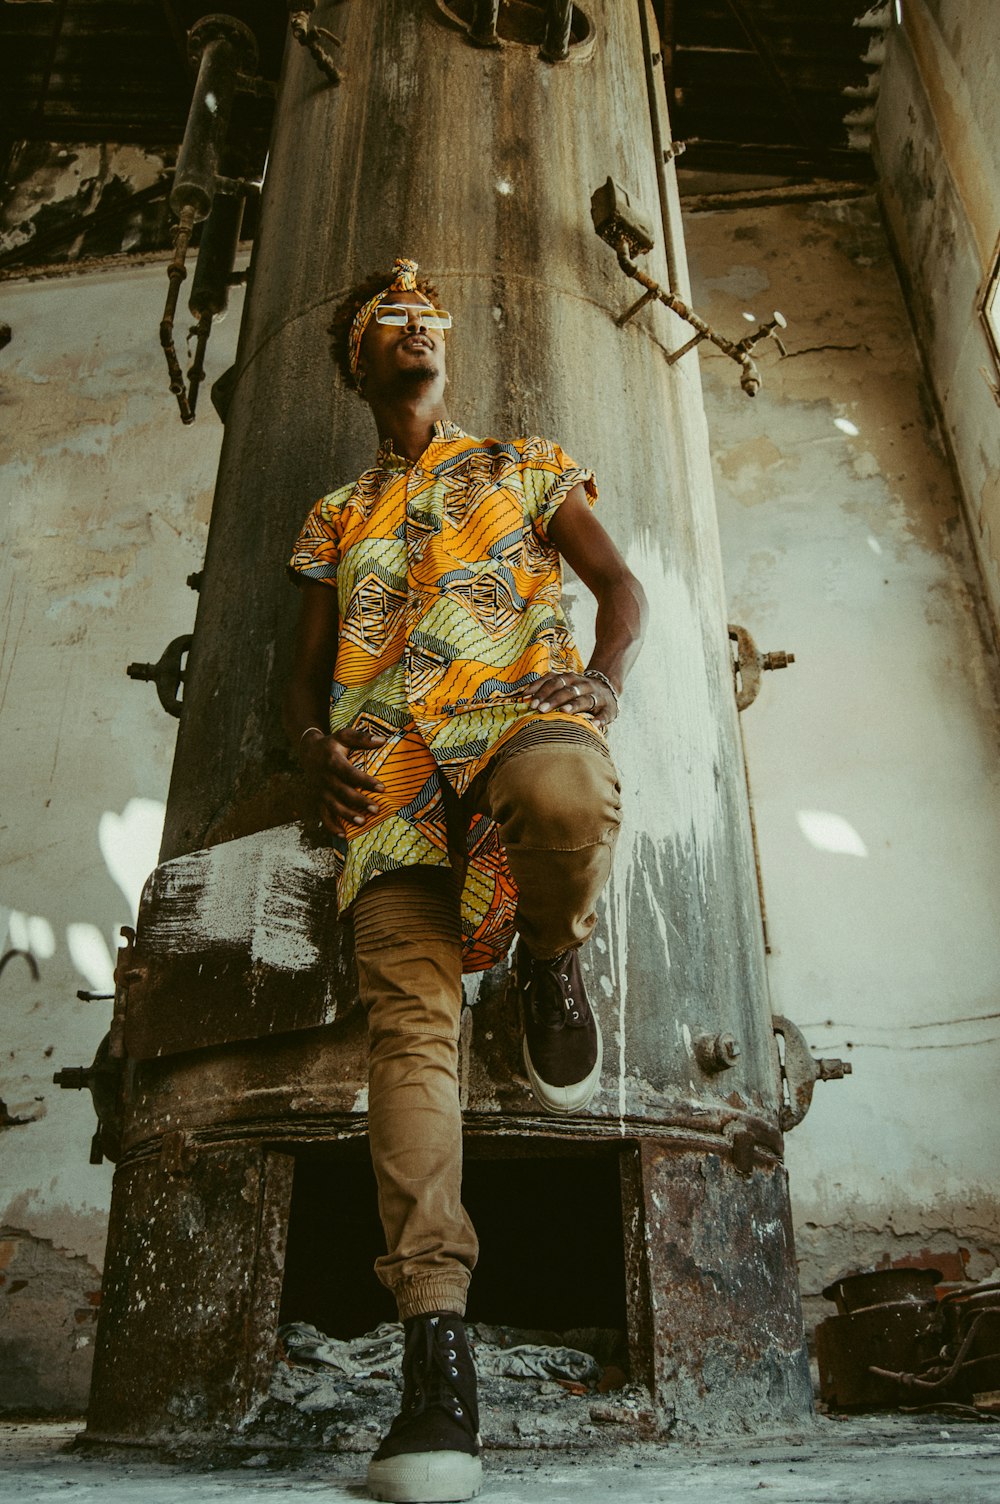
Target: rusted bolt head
x=716, y=1052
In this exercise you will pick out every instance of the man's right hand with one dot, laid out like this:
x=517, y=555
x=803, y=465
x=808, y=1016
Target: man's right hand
x=338, y=784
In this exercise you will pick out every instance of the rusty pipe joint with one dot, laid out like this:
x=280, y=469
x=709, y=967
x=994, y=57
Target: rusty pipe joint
x=103, y=1078
x=314, y=38
x=767, y=330
x=167, y=673
x=625, y=227
x=749, y=664
x=799, y=1071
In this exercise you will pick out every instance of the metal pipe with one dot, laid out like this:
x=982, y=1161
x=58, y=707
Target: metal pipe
x=659, y=149
x=750, y=379
x=220, y=240
x=222, y=46
x=558, y=26
x=311, y=37
x=483, y=31
x=176, y=272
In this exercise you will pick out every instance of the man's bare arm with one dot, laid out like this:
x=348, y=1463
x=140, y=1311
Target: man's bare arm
x=621, y=609
x=324, y=758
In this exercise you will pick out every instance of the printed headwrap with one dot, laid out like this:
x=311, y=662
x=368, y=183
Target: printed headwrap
x=404, y=279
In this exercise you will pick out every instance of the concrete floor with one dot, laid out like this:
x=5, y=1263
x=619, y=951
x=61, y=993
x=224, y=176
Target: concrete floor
x=872, y=1460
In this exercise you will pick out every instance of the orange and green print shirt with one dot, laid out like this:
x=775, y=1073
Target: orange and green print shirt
x=449, y=605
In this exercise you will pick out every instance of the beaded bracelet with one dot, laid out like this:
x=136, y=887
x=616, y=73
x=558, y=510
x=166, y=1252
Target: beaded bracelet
x=595, y=673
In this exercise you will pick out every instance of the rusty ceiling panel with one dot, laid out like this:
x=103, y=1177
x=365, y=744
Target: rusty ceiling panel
x=772, y=86
x=760, y=85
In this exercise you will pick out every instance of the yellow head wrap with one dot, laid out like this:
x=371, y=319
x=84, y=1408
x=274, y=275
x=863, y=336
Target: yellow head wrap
x=404, y=279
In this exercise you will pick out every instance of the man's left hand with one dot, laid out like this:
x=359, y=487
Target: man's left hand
x=573, y=694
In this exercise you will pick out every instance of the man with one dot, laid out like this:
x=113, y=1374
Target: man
x=455, y=742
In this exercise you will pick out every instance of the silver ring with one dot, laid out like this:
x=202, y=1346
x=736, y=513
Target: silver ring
x=562, y=681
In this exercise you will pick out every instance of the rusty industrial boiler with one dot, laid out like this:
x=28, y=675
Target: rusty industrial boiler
x=472, y=137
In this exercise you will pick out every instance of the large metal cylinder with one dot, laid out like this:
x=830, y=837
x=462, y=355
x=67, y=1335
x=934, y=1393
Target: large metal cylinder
x=478, y=163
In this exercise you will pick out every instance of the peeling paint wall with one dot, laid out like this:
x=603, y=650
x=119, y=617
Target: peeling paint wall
x=938, y=150
x=70, y=200
x=874, y=759
x=107, y=499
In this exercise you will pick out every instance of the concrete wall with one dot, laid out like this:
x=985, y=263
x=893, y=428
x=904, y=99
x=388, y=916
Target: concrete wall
x=937, y=145
x=107, y=499
x=873, y=760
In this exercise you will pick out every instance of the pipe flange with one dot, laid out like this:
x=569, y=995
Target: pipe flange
x=224, y=28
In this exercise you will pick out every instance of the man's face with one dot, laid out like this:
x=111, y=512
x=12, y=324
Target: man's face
x=398, y=356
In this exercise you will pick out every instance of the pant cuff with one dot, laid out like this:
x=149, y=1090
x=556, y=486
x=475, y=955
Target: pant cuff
x=432, y=1295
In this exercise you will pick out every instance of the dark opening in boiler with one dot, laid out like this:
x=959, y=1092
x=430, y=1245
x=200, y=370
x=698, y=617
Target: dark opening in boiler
x=550, y=1233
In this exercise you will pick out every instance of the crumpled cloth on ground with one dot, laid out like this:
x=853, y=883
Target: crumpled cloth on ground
x=379, y=1354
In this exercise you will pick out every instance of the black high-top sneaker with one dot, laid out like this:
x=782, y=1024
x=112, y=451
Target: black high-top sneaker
x=431, y=1454
x=562, y=1038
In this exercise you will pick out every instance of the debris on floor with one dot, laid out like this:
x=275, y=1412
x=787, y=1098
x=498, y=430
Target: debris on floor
x=545, y=1388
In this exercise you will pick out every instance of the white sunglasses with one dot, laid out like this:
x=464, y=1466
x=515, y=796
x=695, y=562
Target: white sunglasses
x=400, y=314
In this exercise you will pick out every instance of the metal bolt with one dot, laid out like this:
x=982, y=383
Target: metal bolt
x=716, y=1052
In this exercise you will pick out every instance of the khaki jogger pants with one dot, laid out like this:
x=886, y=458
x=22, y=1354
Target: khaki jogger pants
x=556, y=801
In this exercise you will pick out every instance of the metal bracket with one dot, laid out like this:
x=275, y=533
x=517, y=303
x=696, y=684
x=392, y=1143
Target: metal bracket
x=749, y=664
x=168, y=673
x=177, y=1153
x=800, y=1071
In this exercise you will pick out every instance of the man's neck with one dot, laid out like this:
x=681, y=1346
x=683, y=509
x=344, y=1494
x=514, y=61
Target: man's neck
x=409, y=425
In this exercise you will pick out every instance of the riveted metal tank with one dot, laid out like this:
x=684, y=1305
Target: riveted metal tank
x=238, y=1017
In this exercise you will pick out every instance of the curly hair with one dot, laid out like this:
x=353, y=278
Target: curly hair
x=344, y=317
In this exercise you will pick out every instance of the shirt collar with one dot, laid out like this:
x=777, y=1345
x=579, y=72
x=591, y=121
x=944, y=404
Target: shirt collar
x=388, y=459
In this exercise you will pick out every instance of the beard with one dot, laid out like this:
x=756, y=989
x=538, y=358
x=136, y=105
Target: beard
x=418, y=375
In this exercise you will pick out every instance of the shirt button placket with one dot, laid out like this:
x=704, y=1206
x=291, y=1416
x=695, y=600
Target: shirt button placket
x=413, y=596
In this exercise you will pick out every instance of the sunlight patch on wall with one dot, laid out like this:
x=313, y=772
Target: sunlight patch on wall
x=130, y=843
x=829, y=832
x=32, y=933
x=90, y=955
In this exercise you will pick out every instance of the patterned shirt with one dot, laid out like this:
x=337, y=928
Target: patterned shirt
x=449, y=604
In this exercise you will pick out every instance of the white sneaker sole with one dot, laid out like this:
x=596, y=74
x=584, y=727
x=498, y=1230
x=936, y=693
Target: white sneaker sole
x=561, y=1101
x=426, y=1478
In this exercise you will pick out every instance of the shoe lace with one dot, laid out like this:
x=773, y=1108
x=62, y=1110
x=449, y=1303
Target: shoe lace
x=433, y=1372
x=552, y=1002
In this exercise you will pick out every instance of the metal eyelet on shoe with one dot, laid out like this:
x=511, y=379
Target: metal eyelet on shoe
x=454, y=1373
x=459, y=1410
x=449, y=1337
x=452, y=1355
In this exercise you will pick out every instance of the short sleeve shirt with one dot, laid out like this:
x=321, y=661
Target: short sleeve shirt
x=449, y=606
